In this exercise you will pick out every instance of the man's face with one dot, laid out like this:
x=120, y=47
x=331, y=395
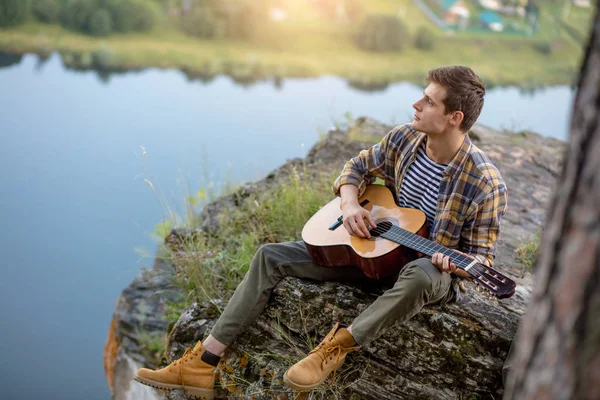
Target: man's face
x=429, y=114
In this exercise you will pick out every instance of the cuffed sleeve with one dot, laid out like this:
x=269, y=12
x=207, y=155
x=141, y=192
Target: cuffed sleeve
x=479, y=235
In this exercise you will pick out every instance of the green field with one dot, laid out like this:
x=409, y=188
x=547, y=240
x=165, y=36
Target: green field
x=306, y=45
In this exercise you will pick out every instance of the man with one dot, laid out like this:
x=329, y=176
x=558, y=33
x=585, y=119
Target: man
x=429, y=164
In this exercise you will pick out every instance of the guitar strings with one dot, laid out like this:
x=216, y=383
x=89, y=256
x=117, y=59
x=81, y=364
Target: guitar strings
x=482, y=278
x=399, y=235
x=394, y=232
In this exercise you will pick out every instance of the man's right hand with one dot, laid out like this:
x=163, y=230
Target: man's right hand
x=357, y=220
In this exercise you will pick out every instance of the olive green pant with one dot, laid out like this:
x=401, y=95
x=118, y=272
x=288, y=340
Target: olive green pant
x=419, y=283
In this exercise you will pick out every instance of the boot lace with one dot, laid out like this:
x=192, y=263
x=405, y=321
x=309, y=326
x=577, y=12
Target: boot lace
x=326, y=353
x=187, y=355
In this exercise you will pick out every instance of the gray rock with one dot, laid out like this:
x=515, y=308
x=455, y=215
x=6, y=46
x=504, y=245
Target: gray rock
x=139, y=325
x=445, y=352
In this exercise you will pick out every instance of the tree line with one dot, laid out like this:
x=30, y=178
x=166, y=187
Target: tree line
x=208, y=19
x=92, y=17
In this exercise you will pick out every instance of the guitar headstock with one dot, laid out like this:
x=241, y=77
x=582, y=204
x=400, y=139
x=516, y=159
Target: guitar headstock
x=492, y=282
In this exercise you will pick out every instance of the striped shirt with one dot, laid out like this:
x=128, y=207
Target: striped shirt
x=421, y=186
x=472, y=195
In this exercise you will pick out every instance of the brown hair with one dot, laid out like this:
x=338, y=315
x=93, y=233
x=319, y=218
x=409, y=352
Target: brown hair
x=464, y=92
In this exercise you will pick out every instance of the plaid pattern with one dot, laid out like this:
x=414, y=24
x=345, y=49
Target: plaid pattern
x=472, y=197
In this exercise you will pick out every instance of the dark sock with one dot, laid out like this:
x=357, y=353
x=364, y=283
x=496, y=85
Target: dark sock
x=210, y=358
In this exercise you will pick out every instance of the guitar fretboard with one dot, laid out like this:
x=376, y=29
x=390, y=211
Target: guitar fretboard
x=425, y=246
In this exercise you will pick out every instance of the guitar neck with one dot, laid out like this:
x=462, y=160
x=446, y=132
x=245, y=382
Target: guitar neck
x=425, y=246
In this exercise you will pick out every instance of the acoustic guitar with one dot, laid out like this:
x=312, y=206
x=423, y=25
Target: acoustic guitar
x=400, y=237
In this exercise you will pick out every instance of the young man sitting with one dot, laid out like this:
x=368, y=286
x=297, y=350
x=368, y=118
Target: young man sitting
x=429, y=164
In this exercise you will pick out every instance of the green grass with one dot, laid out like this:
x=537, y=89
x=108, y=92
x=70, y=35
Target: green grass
x=211, y=266
x=152, y=346
x=578, y=23
x=527, y=253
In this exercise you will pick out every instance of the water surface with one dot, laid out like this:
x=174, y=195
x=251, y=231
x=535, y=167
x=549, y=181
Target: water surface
x=75, y=205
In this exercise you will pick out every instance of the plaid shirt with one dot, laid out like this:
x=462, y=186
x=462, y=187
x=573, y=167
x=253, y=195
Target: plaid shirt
x=472, y=197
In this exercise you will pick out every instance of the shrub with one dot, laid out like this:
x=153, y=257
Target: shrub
x=100, y=17
x=226, y=19
x=77, y=13
x=100, y=23
x=102, y=57
x=131, y=15
x=248, y=16
x=46, y=11
x=146, y=17
x=13, y=12
x=212, y=265
x=424, y=39
x=542, y=47
x=382, y=33
x=202, y=23
x=527, y=252
x=549, y=47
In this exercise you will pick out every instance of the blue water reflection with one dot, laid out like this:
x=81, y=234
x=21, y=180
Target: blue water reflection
x=74, y=202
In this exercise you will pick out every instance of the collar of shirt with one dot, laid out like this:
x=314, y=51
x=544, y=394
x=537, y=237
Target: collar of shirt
x=459, y=158
x=457, y=162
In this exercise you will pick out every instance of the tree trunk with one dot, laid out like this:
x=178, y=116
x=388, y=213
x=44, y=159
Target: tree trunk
x=557, y=354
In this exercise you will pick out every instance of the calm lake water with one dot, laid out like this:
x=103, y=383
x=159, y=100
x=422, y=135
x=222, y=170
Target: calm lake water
x=75, y=206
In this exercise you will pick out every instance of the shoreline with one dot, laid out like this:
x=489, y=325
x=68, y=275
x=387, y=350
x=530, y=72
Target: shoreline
x=246, y=63
x=85, y=62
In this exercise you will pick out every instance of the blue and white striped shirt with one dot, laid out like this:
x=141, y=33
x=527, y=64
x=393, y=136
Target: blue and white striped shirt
x=421, y=186
x=472, y=196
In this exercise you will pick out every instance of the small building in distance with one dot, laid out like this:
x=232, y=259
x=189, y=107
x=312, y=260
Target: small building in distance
x=490, y=4
x=491, y=20
x=582, y=3
x=456, y=12
x=514, y=8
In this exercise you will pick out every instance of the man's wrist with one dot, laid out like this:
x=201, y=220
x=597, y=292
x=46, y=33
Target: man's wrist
x=349, y=195
x=349, y=201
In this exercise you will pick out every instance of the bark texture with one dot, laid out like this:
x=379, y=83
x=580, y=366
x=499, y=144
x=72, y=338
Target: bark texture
x=557, y=354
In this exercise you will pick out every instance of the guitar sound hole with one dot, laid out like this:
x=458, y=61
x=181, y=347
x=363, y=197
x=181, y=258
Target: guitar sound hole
x=383, y=226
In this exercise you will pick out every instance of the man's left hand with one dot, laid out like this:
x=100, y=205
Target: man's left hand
x=443, y=263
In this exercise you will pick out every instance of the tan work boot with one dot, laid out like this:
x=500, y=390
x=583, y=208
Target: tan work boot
x=189, y=373
x=328, y=356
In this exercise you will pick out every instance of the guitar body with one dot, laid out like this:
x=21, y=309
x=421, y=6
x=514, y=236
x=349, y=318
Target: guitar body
x=377, y=257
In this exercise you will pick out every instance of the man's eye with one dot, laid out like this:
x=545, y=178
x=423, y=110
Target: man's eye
x=429, y=102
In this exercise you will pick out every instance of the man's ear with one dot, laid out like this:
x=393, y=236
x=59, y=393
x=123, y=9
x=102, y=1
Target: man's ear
x=457, y=118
